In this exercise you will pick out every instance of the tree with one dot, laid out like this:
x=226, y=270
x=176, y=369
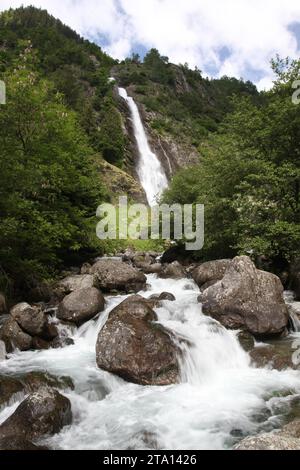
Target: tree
x=48, y=187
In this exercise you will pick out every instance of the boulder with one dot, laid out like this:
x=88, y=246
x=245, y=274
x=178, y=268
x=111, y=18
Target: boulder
x=156, y=299
x=2, y=351
x=113, y=275
x=141, y=260
x=155, y=268
x=42, y=413
x=14, y=337
x=29, y=383
x=247, y=299
x=9, y=387
x=81, y=305
x=3, y=305
x=173, y=271
x=72, y=283
x=31, y=319
x=134, y=347
x=207, y=274
x=19, y=444
x=269, y=441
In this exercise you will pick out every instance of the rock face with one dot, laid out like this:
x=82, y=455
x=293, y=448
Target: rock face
x=72, y=283
x=132, y=346
x=173, y=271
x=81, y=305
x=113, y=275
x=211, y=272
x=247, y=299
x=286, y=439
x=42, y=413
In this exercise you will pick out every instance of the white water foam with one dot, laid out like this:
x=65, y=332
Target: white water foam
x=220, y=399
x=150, y=171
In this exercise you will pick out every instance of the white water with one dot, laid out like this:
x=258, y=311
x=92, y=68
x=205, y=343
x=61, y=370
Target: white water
x=150, y=171
x=220, y=395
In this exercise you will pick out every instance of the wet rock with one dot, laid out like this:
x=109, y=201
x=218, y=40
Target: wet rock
x=42, y=413
x=18, y=443
x=132, y=346
x=116, y=275
x=72, y=283
x=81, y=305
x=31, y=319
x=9, y=387
x=292, y=429
x=14, y=337
x=207, y=274
x=155, y=268
x=33, y=381
x=272, y=356
x=29, y=383
x=269, y=441
x=2, y=351
x=142, y=260
x=173, y=271
x=247, y=299
x=3, y=305
x=156, y=299
x=247, y=341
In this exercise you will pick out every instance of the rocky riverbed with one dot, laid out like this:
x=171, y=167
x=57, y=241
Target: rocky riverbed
x=132, y=353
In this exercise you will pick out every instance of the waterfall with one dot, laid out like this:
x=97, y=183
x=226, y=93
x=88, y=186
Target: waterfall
x=150, y=171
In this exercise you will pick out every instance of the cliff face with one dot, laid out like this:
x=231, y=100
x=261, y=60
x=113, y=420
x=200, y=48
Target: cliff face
x=178, y=106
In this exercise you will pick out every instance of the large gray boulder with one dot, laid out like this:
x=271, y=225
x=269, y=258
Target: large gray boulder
x=31, y=319
x=81, y=305
x=29, y=383
x=269, y=441
x=288, y=438
x=114, y=275
x=42, y=413
x=14, y=337
x=136, y=348
x=72, y=283
x=207, y=274
x=247, y=299
x=173, y=271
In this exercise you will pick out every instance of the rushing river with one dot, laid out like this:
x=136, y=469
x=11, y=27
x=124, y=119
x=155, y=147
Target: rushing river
x=220, y=399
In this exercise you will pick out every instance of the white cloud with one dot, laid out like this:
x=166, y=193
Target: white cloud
x=192, y=31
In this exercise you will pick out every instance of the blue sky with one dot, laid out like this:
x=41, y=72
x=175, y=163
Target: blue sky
x=221, y=37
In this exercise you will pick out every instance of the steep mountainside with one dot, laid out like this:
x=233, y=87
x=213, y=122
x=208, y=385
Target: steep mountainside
x=179, y=106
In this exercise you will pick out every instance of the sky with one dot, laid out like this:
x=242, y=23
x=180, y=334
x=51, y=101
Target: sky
x=221, y=37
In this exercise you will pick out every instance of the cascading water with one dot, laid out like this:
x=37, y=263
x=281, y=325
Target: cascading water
x=150, y=171
x=220, y=399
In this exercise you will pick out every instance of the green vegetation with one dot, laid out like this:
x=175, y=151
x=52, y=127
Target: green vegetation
x=249, y=176
x=186, y=106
